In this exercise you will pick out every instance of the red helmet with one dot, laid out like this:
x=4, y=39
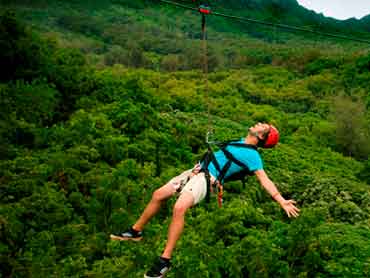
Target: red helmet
x=272, y=138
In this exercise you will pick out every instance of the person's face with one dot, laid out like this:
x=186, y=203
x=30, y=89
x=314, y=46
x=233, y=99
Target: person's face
x=260, y=128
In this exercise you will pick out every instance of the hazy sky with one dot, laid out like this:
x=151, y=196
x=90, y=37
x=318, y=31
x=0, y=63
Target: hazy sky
x=340, y=9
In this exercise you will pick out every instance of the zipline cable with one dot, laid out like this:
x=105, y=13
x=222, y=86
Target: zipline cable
x=179, y=5
x=266, y=23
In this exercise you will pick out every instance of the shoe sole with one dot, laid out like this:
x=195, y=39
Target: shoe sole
x=164, y=274
x=114, y=237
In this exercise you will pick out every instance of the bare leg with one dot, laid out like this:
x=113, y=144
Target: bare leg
x=184, y=202
x=160, y=195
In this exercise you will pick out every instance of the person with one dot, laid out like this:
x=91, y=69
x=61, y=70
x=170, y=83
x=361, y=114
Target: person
x=191, y=186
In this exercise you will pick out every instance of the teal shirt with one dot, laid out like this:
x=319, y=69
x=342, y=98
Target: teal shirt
x=248, y=156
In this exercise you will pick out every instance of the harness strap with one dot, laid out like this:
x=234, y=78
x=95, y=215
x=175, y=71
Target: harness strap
x=219, y=188
x=242, y=145
x=206, y=160
x=230, y=157
x=224, y=170
x=209, y=186
x=209, y=157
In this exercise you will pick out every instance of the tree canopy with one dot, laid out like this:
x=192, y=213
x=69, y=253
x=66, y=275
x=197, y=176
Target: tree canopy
x=84, y=141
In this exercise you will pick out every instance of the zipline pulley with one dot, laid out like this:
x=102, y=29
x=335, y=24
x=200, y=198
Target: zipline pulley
x=204, y=9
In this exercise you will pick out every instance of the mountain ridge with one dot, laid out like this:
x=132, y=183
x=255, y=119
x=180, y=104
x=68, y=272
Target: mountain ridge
x=279, y=7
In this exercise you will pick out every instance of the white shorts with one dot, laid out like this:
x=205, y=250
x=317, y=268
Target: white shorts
x=196, y=184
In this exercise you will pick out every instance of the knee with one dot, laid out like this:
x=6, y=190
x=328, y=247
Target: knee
x=179, y=210
x=157, y=196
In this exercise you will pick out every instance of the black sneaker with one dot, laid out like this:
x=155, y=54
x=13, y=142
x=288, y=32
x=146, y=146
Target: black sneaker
x=159, y=269
x=130, y=234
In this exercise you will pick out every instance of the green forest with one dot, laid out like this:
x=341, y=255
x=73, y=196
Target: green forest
x=102, y=102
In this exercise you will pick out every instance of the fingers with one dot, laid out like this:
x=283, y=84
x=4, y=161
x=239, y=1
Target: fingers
x=291, y=202
x=291, y=209
x=293, y=213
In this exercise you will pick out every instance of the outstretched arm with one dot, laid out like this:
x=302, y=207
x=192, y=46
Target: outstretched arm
x=287, y=205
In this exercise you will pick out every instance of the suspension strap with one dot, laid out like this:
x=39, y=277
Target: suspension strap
x=209, y=157
x=204, y=10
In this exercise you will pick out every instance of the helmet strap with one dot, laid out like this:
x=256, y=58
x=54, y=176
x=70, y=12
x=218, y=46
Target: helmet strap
x=260, y=142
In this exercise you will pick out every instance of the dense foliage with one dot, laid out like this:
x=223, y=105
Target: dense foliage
x=84, y=144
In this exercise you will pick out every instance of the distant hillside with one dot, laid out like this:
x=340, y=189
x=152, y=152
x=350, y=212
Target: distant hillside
x=288, y=12
x=154, y=35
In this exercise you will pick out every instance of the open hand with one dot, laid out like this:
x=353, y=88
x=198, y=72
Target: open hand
x=290, y=208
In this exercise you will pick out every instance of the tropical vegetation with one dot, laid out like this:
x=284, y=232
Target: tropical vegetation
x=102, y=102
